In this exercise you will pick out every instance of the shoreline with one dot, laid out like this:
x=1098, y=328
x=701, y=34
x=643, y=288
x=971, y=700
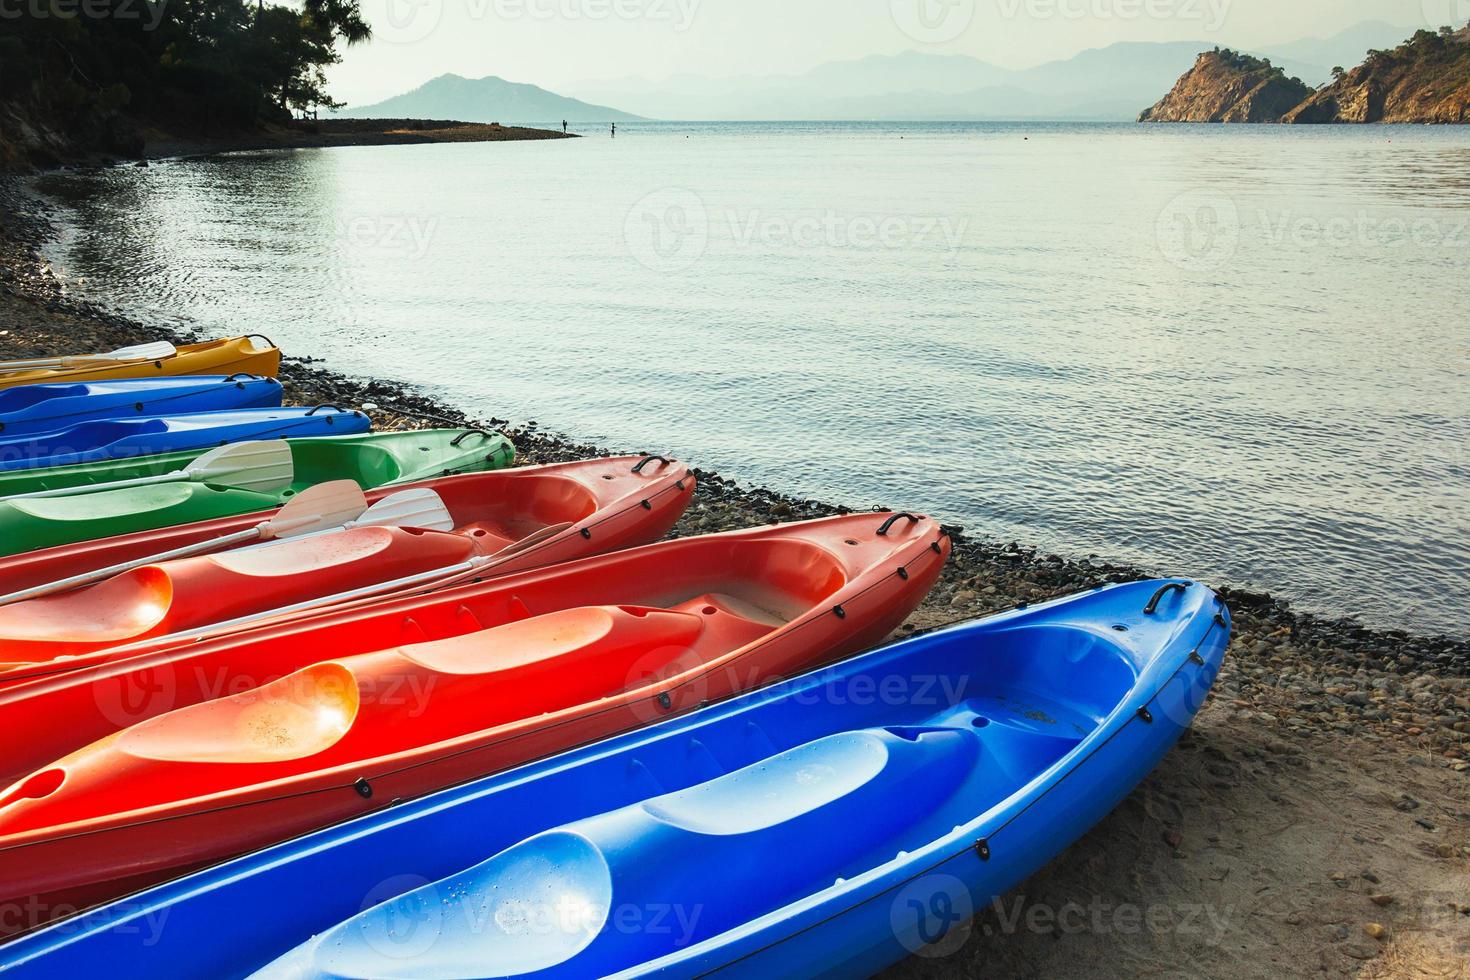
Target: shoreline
x=303, y=135
x=1335, y=718
x=317, y=134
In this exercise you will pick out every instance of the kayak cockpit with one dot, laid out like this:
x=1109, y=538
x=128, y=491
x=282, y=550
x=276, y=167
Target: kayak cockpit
x=968, y=726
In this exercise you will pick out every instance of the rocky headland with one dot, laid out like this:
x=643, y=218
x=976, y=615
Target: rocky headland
x=1424, y=80
x=1226, y=86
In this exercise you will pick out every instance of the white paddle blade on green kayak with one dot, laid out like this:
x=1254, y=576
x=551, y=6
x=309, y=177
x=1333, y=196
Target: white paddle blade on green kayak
x=262, y=466
x=326, y=506
x=158, y=351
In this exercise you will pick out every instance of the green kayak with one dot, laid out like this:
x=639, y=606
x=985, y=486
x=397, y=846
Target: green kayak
x=376, y=460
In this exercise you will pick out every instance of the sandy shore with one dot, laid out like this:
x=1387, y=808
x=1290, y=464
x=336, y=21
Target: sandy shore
x=1316, y=820
x=344, y=132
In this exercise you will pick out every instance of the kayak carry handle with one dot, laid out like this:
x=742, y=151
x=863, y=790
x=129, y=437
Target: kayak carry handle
x=261, y=336
x=471, y=432
x=888, y=524
x=638, y=467
x=338, y=408
x=1153, y=604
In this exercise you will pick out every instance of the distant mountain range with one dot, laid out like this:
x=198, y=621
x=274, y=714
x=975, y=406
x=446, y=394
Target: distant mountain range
x=1112, y=83
x=484, y=100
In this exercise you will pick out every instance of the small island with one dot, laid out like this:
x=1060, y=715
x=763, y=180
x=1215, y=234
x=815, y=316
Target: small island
x=1424, y=80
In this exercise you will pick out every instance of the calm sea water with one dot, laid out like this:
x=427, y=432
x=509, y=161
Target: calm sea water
x=1232, y=353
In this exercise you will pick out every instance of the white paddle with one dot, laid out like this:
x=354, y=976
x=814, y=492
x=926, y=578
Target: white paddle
x=262, y=466
x=423, y=509
x=158, y=351
x=433, y=578
x=325, y=506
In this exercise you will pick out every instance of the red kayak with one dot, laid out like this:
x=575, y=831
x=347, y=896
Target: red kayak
x=354, y=709
x=599, y=505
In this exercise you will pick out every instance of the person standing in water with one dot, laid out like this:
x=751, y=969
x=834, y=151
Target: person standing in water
x=564, y=127
x=615, y=131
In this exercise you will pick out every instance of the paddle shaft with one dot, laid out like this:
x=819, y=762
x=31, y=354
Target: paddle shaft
x=100, y=574
x=73, y=363
x=434, y=578
x=125, y=355
x=140, y=481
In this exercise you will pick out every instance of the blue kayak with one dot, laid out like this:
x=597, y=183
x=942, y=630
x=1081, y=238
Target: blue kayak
x=29, y=409
x=91, y=442
x=828, y=826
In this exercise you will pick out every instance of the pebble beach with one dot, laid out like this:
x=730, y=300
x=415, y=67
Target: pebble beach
x=1316, y=819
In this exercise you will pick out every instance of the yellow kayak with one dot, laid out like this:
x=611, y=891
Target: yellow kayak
x=248, y=355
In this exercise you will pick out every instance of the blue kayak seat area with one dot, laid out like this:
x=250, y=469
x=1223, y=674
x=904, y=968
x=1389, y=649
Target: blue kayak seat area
x=22, y=397
x=82, y=437
x=1083, y=670
x=718, y=832
x=607, y=892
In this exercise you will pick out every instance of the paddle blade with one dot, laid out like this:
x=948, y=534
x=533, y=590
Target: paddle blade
x=261, y=466
x=320, y=508
x=157, y=351
x=423, y=509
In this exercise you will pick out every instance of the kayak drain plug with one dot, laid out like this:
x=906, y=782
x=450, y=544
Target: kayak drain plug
x=364, y=788
x=982, y=848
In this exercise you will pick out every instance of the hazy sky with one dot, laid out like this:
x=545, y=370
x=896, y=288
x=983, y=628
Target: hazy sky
x=556, y=42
